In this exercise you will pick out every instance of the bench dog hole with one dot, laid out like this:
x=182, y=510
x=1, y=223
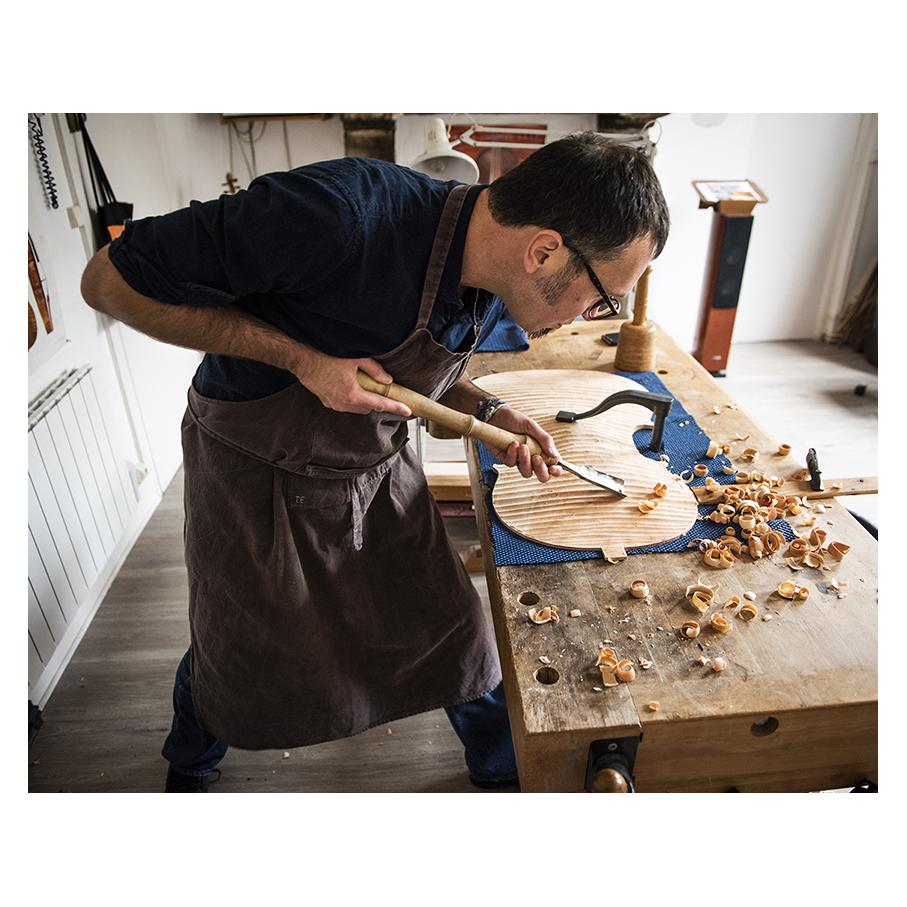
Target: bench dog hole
x=764, y=726
x=547, y=674
x=528, y=599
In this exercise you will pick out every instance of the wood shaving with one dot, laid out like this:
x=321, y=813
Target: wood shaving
x=543, y=615
x=625, y=671
x=720, y=623
x=639, y=588
x=689, y=629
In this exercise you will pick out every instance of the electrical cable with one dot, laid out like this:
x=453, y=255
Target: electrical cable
x=47, y=178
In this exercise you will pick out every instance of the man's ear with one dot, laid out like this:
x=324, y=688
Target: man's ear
x=545, y=249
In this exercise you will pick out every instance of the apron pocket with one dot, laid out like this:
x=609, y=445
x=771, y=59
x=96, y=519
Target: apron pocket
x=337, y=506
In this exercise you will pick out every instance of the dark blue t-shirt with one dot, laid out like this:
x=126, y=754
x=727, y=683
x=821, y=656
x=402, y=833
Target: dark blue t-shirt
x=334, y=254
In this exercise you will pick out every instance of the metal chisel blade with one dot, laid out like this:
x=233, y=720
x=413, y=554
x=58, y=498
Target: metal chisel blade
x=602, y=479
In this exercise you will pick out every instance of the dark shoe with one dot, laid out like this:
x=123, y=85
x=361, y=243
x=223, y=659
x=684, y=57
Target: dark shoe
x=494, y=785
x=178, y=783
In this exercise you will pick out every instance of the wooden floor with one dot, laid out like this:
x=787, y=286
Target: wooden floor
x=106, y=720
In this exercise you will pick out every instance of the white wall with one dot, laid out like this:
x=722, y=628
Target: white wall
x=802, y=163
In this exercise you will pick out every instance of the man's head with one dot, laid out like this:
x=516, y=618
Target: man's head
x=597, y=193
x=592, y=215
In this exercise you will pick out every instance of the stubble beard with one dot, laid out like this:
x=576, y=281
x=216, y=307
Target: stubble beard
x=551, y=289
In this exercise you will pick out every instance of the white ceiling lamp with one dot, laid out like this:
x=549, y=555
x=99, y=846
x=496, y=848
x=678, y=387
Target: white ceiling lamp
x=440, y=161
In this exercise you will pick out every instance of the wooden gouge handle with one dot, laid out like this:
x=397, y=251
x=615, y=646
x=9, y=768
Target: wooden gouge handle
x=462, y=423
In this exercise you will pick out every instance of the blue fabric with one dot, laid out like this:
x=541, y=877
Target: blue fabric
x=686, y=445
x=333, y=254
x=481, y=724
x=505, y=337
x=484, y=730
x=189, y=749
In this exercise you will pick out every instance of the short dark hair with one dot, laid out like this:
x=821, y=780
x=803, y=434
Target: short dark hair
x=599, y=193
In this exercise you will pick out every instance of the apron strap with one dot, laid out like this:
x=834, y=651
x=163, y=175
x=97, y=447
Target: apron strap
x=443, y=237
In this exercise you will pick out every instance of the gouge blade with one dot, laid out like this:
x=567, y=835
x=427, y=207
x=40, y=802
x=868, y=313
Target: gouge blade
x=602, y=479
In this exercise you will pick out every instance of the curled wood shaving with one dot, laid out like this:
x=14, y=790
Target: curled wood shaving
x=689, y=629
x=720, y=623
x=653, y=706
x=639, y=588
x=713, y=450
x=606, y=655
x=700, y=469
x=837, y=550
x=625, y=671
x=748, y=611
x=661, y=489
x=543, y=615
x=784, y=449
x=792, y=590
x=719, y=664
x=647, y=505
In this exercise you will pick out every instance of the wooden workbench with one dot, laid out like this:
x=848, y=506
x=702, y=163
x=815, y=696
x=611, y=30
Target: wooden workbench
x=795, y=709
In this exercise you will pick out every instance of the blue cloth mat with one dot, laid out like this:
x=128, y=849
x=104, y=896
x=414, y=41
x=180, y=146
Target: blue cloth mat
x=686, y=445
x=506, y=337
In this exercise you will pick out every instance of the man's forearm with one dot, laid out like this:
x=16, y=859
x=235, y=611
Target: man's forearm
x=225, y=330
x=229, y=331
x=464, y=396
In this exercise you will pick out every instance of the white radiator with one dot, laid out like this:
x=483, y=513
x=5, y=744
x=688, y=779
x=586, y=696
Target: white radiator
x=80, y=498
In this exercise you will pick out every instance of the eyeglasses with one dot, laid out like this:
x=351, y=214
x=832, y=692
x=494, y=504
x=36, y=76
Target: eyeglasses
x=607, y=306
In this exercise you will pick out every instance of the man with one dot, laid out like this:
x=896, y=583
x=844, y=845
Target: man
x=325, y=596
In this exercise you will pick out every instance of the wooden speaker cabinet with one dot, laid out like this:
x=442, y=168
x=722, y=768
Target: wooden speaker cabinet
x=732, y=225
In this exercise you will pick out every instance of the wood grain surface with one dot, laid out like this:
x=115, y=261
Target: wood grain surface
x=796, y=709
x=569, y=512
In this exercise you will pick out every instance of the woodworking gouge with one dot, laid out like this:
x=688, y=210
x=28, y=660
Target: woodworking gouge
x=470, y=427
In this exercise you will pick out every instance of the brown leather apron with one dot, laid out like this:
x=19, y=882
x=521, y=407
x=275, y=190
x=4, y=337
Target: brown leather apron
x=325, y=595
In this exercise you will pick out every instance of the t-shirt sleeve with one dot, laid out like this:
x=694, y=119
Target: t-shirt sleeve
x=286, y=233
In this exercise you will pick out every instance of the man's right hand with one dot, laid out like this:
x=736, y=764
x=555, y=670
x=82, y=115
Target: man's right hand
x=334, y=382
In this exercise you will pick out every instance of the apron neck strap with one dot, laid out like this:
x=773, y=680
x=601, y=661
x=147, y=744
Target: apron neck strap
x=443, y=237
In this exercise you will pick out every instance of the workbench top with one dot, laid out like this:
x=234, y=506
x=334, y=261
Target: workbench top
x=796, y=707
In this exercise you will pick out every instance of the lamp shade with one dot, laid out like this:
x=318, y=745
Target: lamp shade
x=440, y=161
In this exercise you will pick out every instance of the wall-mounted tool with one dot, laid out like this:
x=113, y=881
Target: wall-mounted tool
x=470, y=427
x=636, y=341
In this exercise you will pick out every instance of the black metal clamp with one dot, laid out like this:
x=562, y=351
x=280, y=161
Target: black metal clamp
x=660, y=404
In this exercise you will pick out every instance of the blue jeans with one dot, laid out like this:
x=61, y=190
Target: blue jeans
x=481, y=724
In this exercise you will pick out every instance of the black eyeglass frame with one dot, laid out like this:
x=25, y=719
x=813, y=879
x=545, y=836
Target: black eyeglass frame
x=606, y=300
